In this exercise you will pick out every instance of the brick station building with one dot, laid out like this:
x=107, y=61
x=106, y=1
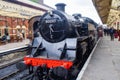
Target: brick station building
x=15, y=14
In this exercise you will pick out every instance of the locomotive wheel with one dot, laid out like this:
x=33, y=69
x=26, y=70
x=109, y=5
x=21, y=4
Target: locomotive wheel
x=40, y=73
x=79, y=56
x=59, y=73
x=90, y=44
x=74, y=72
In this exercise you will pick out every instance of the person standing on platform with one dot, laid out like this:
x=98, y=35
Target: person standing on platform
x=105, y=31
x=7, y=37
x=118, y=31
x=112, y=31
x=18, y=35
x=7, y=34
x=108, y=32
x=23, y=33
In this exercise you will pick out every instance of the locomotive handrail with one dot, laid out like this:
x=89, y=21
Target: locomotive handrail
x=70, y=49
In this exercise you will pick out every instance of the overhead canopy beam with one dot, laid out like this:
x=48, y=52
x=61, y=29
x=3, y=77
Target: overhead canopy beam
x=103, y=8
x=108, y=10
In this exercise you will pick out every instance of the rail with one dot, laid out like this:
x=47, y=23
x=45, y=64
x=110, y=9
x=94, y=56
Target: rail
x=8, y=53
x=3, y=53
x=9, y=74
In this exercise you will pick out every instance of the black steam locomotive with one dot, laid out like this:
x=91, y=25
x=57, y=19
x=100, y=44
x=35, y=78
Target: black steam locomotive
x=60, y=43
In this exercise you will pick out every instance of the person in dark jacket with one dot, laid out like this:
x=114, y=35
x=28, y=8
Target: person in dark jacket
x=112, y=31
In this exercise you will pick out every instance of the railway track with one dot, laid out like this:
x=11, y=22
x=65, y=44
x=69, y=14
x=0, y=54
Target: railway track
x=9, y=74
x=14, y=74
x=12, y=56
x=3, y=53
x=8, y=62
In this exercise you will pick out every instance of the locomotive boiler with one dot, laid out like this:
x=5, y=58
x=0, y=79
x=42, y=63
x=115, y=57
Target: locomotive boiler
x=61, y=45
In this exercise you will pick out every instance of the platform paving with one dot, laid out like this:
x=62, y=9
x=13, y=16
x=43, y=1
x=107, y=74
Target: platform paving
x=105, y=61
x=15, y=45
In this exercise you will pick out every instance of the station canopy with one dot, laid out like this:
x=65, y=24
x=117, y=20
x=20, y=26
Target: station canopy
x=18, y=11
x=108, y=10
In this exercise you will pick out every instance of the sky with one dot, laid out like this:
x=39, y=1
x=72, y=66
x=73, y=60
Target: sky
x=84, y=7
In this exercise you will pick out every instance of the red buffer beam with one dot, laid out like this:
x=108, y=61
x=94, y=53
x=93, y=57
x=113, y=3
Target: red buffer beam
x=50, y=63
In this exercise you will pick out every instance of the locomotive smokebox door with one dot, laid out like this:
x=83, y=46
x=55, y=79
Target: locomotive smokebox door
x=52, y=49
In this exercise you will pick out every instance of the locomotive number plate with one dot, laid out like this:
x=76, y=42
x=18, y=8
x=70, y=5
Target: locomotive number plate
x=51, y=21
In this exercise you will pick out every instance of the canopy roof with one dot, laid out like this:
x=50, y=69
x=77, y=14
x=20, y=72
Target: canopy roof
x=108, y=10
x=21, y=10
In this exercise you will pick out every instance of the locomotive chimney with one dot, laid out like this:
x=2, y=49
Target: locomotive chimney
x=61, y=6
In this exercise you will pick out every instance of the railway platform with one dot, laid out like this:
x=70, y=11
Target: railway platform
x=15, y=45
x=104, y=63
